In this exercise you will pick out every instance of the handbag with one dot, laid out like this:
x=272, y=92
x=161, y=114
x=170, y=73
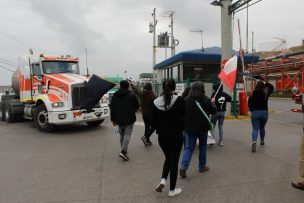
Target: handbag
x=211, y=126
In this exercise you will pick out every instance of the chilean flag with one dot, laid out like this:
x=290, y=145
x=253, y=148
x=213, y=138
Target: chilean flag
x=228, y=73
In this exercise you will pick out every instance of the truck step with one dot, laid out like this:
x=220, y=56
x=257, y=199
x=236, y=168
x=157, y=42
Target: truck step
x=28, y=117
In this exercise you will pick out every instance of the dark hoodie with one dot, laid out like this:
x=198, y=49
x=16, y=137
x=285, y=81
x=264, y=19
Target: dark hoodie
x=195, y=121
x=258, y=100
x=169, y=122
x=146, y=98
x=123, y=106
x=221, y=98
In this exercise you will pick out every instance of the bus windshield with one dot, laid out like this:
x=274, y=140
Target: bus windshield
x=53, y=67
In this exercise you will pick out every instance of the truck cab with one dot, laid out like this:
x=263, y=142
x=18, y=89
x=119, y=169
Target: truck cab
x=51, y=91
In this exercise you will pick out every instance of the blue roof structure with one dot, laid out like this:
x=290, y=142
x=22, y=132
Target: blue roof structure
x=211, y=54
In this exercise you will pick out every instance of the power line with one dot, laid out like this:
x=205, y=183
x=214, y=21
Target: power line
x=6, y=63
x=6, y=68
x=12, y=63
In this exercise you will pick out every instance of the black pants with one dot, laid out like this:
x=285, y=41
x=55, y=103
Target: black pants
x=149, y=128
x=171, y=146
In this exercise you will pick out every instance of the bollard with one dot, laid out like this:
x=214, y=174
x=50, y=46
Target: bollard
x=243, y=103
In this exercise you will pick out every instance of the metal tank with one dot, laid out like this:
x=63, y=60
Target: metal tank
x=16, y=83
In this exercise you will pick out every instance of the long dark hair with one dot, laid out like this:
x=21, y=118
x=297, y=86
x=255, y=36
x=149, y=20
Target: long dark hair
x=168, y=88
x=260, y=89
x=197, y=90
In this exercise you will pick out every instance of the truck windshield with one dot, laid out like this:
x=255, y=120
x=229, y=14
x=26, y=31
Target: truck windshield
x=53, y=67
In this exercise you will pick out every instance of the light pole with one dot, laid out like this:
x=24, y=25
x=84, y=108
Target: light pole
x=227, y=9
x=226, y=36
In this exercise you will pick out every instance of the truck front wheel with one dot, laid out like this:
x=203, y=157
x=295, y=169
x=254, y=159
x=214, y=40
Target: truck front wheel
x=95, y=123
x=41, y=119
x=2, y=117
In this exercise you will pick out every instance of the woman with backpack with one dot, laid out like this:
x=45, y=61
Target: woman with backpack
x=197, y=107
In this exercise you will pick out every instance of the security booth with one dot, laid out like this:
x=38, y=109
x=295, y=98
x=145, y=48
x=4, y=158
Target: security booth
x=189, y=66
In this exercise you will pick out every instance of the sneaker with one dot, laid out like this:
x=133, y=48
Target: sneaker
x=298, y=185
x=205, y=169
x=253, y=147
x=161, y=185
x=175, y=192
x=221, y=143
x=124, y=156
x=149, y=141
x=182, y=173
x=144, y=139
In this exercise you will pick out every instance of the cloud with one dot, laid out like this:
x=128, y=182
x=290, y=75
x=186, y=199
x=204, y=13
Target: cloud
x=115, y=32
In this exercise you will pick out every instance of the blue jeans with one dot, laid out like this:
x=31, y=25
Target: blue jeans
x=190, y=146
x=220, y=117
x=125, y=132
x=258, y=120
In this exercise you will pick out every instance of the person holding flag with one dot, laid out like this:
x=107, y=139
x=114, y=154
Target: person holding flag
x=220, y=101
x=219, y=97
x=258, y=105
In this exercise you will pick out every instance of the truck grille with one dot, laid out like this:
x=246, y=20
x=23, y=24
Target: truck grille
x=78, y=96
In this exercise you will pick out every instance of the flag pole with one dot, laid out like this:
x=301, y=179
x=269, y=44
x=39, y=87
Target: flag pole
x=218, y=89
x=242, y=56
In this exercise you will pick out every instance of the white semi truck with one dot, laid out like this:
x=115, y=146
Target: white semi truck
x=50, y=91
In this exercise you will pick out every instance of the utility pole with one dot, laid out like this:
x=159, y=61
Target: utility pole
x=86, y=53
x=154, y=37
x=247, y=34
x=152, y=29
x=252, y=48
x=170, y=14
x=172, y=36
x=200, y=31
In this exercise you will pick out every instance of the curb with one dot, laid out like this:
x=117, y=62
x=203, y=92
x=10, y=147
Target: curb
x=242, y=117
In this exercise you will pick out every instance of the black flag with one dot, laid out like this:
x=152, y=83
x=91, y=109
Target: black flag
x=96, y=87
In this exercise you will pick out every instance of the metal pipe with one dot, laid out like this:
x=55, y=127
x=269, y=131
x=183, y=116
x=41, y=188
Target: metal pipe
x=280, y=65
x=283, y=56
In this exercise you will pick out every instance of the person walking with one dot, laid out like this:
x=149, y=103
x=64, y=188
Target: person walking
x=123, y=107
x=168, y=114
x=220, y=100
x=146, y=98
x=258, y=105
x=300, y=183
x=196, y=126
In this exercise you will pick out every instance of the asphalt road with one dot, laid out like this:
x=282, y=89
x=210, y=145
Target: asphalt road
x=78, y=164
x=282, y=111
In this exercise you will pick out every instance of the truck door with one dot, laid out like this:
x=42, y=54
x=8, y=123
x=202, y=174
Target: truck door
x=36, y=80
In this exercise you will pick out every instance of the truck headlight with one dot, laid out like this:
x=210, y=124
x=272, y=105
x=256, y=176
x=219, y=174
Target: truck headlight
x=57, y=104
x=104, y=99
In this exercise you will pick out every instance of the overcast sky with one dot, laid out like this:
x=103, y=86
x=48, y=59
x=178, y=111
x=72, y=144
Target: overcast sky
x=115, y=32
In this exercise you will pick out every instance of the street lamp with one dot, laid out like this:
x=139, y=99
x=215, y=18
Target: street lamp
x=217, y=3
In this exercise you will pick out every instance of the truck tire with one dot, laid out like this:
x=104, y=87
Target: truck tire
x=95, y=123
x=9, y=116
x=2, y=117
x=41, y=119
